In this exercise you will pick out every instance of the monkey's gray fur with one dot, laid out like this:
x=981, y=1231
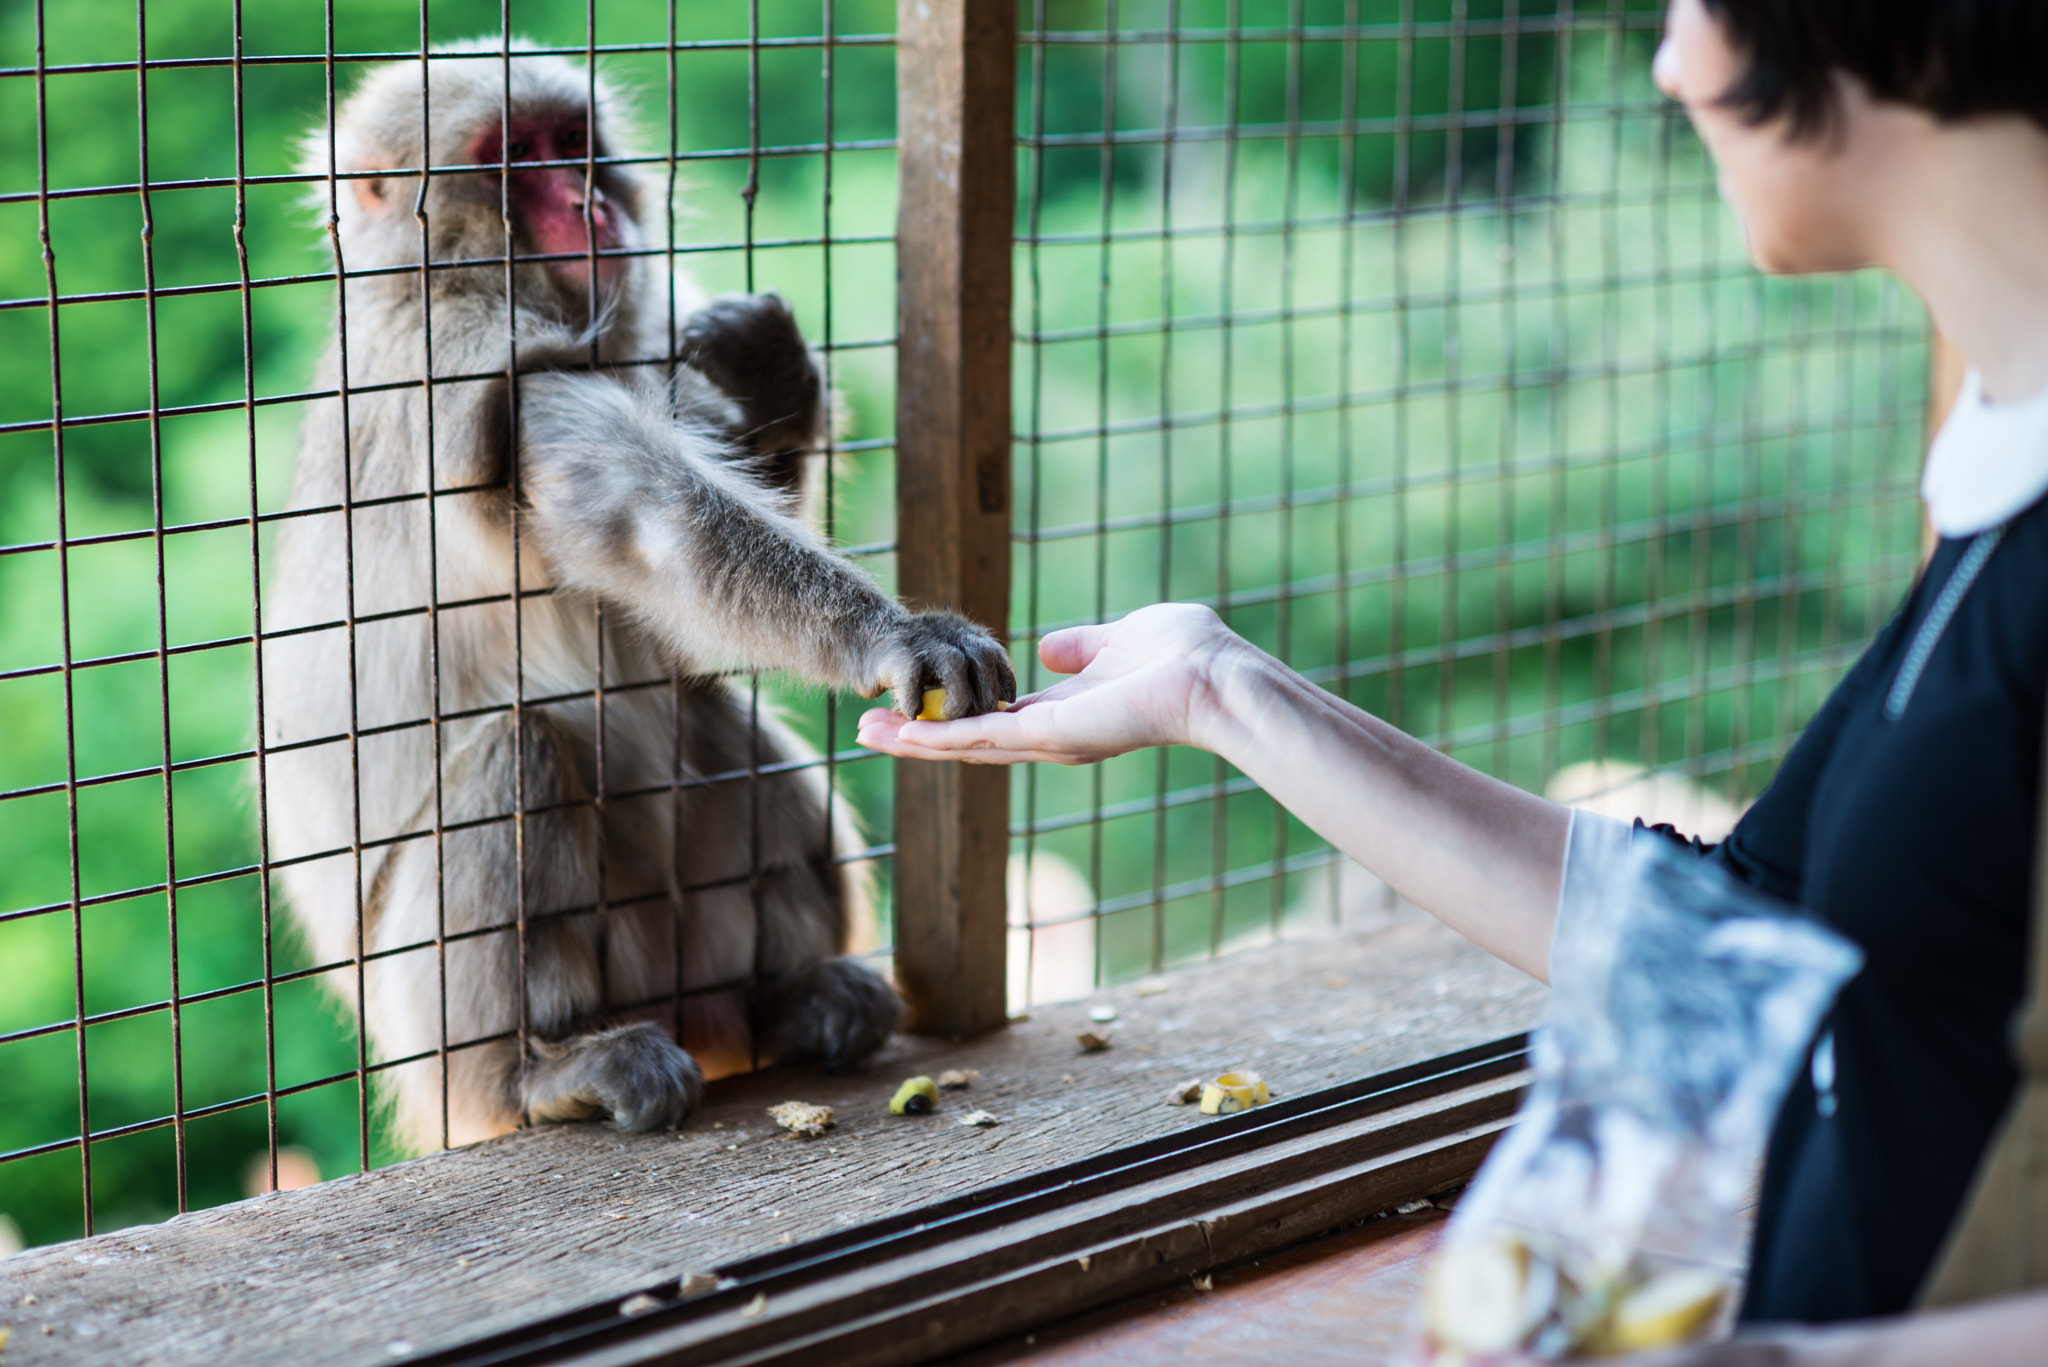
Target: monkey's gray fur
x=662, y=497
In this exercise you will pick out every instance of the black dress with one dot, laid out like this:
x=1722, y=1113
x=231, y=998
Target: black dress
x=1905, y=817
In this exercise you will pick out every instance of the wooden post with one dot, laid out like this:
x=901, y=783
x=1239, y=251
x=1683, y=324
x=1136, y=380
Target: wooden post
x=956, y=157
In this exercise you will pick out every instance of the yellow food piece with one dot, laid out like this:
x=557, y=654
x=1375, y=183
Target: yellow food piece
x=1670, y=1308
x=932, y=706
x=1234, y=1092
x=1488, y=1294
x=917, y=1096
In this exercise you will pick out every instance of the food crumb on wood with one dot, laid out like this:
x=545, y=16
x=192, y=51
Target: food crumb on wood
x=5, y=1334
x=696, y=1284
x=1092, y=1042
x=917, y=1096
x=1066, y=1077
x=755, y=1306
x=802, y=1118
x=982, y=1119
x=1333, y=982
x=1102, y=1015
x=1152, y=987
x=640, y=1304
x=1410, y=1207
x=1185, y=1093
x=958, y=1079
x=1205, y=1282
x=1086, y=1262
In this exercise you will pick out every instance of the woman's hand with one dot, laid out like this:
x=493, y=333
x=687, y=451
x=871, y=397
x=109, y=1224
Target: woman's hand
x=1151, y=678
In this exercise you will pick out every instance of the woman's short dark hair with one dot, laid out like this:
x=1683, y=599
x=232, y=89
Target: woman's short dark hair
x=1952, y=58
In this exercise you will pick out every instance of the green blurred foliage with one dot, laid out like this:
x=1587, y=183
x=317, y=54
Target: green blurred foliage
x=1541, y=410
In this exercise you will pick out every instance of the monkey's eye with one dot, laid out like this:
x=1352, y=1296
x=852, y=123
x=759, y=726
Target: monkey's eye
x=520, y=150
x=570, y=139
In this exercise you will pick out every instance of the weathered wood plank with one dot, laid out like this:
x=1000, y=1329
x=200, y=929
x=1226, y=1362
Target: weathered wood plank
x=444, y=1249
x=956, y=167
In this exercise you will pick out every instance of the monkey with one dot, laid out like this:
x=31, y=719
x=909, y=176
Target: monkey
x=554, y=500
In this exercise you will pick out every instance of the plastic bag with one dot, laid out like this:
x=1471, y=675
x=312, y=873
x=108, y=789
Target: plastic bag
x=1608, y=1219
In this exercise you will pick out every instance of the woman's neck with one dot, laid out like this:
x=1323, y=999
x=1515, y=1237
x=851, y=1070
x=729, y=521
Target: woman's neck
x=1965, y=225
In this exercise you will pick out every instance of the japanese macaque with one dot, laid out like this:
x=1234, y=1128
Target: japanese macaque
x=528, y=832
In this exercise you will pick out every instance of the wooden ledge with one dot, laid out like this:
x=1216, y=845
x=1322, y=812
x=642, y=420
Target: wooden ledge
x=424, y=1257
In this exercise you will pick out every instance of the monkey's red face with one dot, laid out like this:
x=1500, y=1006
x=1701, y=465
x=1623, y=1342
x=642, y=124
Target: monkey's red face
x=550, y=203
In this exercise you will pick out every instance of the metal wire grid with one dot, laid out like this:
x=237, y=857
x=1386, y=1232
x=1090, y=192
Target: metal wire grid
x=48, y=1180
x=1412, y=336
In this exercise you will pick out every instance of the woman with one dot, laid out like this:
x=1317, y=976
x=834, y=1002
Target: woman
x=1909, y=134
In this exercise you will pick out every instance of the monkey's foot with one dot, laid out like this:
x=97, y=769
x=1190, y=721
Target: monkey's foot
x=635, y=1076
x=835, y=1013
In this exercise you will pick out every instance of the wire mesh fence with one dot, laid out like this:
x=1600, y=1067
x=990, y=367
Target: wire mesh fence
x=167, y=1040
x=1413, y=337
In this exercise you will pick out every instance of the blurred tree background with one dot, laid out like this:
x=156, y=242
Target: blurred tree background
x=1514, y=446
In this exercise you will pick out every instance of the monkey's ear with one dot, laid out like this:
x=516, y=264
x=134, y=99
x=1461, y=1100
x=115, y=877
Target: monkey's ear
x=374, y=195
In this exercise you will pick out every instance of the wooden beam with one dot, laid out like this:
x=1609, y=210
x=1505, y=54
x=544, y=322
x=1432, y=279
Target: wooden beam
x=956, y=158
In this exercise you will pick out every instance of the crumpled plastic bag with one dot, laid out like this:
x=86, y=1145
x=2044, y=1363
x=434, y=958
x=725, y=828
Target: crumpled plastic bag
x=1608, y=1219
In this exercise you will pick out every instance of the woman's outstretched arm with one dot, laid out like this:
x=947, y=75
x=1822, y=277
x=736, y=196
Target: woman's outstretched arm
x=1484, y=857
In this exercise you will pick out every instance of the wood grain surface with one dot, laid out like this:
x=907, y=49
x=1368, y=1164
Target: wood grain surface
x=437, y=1251
x=1347, y=1298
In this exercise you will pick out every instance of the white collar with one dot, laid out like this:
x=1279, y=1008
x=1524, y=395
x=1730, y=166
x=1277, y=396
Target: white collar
x=1988, y=462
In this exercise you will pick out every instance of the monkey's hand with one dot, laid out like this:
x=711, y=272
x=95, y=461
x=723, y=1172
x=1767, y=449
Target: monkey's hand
x=749, y=346
x=945, y=650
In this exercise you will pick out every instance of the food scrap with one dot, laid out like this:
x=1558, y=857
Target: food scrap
x=981, y=1119
x=755, y=1306
x=640, y=1304
x=958, y=1079
x=1234, y=1092
x=800, y=1117
x=1185, y=1093
x=697, y=1284
x=1092, y=1042
x=1152, y=987
x=917, y=1096
x=1102, y=1015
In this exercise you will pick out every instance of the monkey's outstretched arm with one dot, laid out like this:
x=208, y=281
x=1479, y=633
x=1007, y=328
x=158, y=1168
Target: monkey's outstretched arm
x=647, y=513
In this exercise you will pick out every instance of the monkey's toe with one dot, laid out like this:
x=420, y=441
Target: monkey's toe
x=836, y=1013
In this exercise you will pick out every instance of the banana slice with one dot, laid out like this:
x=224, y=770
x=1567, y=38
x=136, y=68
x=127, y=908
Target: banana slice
x=1670, y=1308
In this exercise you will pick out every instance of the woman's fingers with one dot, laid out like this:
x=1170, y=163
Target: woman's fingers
x=966, y=739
